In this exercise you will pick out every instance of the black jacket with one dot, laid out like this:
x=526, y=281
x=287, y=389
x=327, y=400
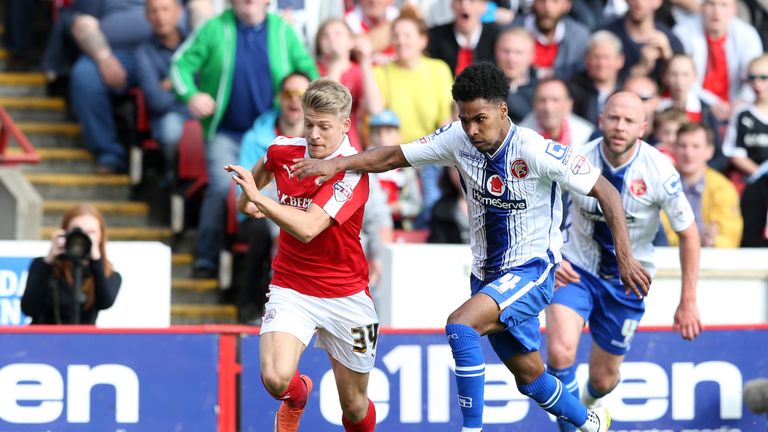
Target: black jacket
x=754, y=208
x=48, y=300
x=443, y=45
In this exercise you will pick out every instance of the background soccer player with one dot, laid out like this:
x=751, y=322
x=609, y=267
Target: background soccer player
x=320, y=280
x=512, y=177
x=591, y=288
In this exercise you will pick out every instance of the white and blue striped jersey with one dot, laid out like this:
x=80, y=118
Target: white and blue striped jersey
x=647, y=183
x=513, y=195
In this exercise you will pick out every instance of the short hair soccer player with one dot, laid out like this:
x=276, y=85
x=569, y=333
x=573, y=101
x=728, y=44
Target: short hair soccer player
x=590, y=287
x=320, y=280
x=512, y=180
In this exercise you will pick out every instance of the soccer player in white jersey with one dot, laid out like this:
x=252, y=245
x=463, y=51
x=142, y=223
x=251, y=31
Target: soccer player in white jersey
x=512, y=179
x=589, y=285
x=320, y=280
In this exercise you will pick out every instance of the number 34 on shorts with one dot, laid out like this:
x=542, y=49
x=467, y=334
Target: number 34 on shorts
x=363, y=336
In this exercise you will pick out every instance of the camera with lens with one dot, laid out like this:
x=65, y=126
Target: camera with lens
x=77, y=245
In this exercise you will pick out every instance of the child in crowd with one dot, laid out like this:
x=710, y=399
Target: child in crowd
x=401, y=185
x=665, y=126
x=746, y=141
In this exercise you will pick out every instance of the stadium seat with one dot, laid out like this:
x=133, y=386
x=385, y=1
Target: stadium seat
x=191, y=172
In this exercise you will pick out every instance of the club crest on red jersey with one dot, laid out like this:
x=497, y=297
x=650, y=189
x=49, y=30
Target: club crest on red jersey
x=637, y=187
x=342, y=191
x=495, y=185
x=519, y=168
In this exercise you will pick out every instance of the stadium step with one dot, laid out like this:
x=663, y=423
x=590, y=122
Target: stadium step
x=35, y=109
x=126, y=233
x=60, y=160
x=194, y=291
x=69, y=186
x=22, y=84
x=197, y=313
x=57, y=134
x=116, y=213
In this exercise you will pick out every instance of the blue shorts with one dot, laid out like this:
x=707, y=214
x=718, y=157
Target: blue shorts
x=612, y=315
x=522, y=292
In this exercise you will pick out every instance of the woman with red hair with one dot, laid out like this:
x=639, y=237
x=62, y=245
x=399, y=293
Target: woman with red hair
x=51, y=294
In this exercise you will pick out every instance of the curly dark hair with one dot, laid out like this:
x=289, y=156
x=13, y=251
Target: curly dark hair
x=483, y=80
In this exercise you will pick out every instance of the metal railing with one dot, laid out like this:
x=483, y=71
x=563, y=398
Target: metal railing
x=8, y=129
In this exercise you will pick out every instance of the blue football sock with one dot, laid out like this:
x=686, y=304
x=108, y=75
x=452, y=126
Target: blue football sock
x=548, y=392
x=568, y=377
x=470, y=372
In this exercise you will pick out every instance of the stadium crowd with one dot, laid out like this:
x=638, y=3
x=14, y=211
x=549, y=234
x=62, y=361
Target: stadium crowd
x=241, y=73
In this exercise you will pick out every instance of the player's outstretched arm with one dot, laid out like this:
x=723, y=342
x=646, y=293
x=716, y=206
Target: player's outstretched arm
x=376, y=160
x=633, y=275
x=303, y=225
x=687, y=320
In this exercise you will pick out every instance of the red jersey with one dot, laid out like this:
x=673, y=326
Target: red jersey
x=716, y=76
x=333, y=263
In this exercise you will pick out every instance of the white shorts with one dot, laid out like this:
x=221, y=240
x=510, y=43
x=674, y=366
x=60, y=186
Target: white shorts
x=346, y=327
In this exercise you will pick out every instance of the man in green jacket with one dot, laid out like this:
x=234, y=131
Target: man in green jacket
x=228, y=73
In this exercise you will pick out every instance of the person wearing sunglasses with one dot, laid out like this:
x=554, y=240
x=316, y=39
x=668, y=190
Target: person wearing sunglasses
x=746, y=140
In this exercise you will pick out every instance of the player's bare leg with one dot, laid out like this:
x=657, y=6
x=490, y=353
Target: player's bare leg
x=279, y=358
x=603, y=374
x=359, y=413
x=564, y=326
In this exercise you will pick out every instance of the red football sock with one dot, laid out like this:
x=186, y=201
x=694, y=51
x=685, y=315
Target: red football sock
x=367, y=424
x=295, y=396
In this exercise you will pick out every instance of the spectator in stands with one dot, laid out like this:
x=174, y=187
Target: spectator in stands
x=77, y=256
x=746, y=140
x=514, y=56
x=721, y=46
x=591, y=88
x=754, y=208
x=560, y=41
x=19, y=32
x=373, y=19
x=648, y=92
x=108, y=33
x=336, y=46
x=377, y=231
x=713, y=198
x=153, y=58
x=259, y=234
x=666, y=123
x=647, y=43
x=418, y=89
x=466, y=39
x=680, y=79
x=60, y=53
x=401, y=185
x=240, y=57
x=552, y=115
x=449, y=215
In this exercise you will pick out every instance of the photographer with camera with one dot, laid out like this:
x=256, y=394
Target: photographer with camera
x=75, y=280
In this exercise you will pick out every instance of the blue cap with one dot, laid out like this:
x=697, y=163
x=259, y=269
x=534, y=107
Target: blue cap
x=384, y=118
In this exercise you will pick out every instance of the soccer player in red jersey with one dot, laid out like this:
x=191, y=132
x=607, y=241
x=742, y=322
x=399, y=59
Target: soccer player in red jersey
x=320, y=280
